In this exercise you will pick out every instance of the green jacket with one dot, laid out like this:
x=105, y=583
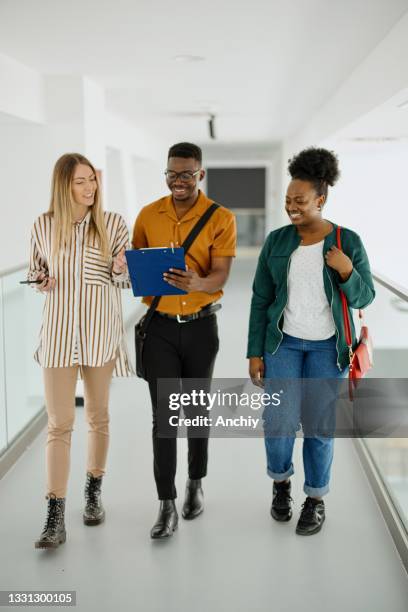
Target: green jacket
x=270, y=290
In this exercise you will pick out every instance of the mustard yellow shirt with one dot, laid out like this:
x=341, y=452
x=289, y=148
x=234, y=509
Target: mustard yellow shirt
x=157, y=225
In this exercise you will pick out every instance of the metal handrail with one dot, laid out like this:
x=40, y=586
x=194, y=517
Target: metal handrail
x=13, y=270
x=127, y=322
x=398, y=290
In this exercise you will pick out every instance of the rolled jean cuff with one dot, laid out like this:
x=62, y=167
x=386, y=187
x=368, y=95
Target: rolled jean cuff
x=316, y=491
x=283, y=476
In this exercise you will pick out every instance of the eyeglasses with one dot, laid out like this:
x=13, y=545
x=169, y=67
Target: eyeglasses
x=185, y=176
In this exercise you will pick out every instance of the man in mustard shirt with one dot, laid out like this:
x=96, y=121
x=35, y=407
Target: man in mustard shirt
x=182, y=338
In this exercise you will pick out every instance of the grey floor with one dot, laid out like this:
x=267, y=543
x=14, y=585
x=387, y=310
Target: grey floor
x=234, y=557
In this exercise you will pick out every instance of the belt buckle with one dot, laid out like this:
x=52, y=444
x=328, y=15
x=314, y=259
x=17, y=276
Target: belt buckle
x=180, y=320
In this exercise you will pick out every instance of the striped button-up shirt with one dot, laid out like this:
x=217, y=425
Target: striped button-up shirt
x=82, y=317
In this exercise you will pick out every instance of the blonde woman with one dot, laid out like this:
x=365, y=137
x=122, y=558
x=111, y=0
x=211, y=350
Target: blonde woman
x=77, y=251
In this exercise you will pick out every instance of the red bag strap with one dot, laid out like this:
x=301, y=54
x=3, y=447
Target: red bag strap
x=346, y=318
x=360, y=312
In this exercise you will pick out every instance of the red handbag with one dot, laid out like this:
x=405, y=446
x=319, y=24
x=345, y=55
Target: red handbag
x=361, y=359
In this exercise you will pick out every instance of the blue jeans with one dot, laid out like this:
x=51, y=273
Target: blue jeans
x=302, y=359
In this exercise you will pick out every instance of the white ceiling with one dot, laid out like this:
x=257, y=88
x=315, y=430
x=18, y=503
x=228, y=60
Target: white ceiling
x=388, y=123
x=269, y=65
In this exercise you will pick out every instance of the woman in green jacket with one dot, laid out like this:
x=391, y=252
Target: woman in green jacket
x=296, y=328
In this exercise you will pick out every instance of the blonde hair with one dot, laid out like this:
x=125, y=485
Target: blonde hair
x=61, y=206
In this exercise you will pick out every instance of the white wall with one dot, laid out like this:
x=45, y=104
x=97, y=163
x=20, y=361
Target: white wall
x=370, y=194
x=150, y=183
x=94, y=123
x=27, y=156
x=135, y=165
x=21, y=91
x=115, y=193
x=28, y=152
x=42, y=117
x=371, y=198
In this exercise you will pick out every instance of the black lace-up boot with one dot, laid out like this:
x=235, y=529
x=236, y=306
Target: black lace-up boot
x=167, y=520
x=281, y=508
x=194, y=500
x=94, y=513
x=312, y=517
x=53, y=533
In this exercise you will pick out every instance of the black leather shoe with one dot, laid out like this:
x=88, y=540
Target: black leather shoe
x=94, y=513
x=281, y=509
x=53, y=533
x=194, y=500
x=312, y=517
x=167, y=520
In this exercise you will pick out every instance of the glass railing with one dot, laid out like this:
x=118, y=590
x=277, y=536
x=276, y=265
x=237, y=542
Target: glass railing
x=20, y=379
x=21, y=386
x=3, y=417
x=387, y=318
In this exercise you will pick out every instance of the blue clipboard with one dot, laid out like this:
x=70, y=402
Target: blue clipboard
x=146, y=268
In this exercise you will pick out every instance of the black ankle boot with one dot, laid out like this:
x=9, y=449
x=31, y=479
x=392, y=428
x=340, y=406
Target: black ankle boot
x=194, y=500
x=281, y=509
x=94, y=513
x=167, y=520
x=53, y=533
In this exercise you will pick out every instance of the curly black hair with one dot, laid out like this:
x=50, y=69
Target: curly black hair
x=318, y=166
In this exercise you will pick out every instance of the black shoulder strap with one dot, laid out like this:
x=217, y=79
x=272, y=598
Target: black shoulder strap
x=199, y=226
x=186, y=246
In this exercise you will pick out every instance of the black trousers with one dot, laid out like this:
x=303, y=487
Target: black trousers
x=178, y=351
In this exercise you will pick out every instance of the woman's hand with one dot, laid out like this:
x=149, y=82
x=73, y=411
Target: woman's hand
x=256, y=371
x=48, y=283
x=119, y=262
x=339, y=261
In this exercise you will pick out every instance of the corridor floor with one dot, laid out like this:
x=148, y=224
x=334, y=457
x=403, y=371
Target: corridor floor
x=234, y=557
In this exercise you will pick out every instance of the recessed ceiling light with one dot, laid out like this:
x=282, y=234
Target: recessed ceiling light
x=188, y=58
x=371, y=139
x=206, y=104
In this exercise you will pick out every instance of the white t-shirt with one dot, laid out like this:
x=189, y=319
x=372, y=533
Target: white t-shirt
x=307, y=314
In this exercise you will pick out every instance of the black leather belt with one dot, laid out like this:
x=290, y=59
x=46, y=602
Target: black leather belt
x=204, y=312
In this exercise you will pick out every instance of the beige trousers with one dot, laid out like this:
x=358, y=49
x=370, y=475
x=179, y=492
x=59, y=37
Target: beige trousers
x=60, y=385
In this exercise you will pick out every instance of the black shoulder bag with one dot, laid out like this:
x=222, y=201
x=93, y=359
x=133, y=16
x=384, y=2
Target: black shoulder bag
x=143, y=324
